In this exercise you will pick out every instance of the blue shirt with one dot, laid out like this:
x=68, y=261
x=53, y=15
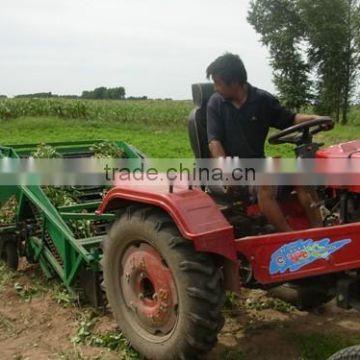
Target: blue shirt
x=243, y=131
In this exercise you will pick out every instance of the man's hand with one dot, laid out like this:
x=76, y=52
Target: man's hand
x=301, y=118
x=328, y=126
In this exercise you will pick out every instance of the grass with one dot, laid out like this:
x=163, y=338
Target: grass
x=354, y=115
x=133, y=112
x=156, y=141
x=320, y=346
x=232, y=355
x=110, y=340
x=270, y=303
x=40, y=285
x=6, y=275
x=76, y=354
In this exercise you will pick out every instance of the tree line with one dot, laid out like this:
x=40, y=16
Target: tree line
x=83, y=96
x=100, y=93
x=314, y=51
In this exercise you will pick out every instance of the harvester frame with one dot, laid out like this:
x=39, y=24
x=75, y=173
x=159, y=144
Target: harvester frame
x=41, y=231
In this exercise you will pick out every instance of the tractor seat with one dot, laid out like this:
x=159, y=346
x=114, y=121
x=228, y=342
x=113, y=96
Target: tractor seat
x=201, y=94
x=197, y=128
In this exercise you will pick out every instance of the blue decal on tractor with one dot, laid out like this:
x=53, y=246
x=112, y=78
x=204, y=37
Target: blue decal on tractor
x=295, y=255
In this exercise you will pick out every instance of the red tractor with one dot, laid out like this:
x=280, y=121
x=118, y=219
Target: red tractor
x=172, y=254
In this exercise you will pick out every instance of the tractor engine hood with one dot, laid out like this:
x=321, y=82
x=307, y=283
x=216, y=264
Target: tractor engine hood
x=346, y=150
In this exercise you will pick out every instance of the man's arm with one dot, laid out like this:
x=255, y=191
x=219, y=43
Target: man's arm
x=216, y=149
x=215, y=131
x=301, y=118
x=282, y=118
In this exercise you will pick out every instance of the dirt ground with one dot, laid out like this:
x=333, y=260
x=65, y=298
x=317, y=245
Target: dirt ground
x=34, y=326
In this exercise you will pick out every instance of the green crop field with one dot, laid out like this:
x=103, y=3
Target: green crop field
x=157, y=127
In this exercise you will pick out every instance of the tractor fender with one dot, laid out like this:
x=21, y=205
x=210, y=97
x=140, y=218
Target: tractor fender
x=193, y=211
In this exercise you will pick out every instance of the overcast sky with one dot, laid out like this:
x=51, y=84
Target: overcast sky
x=156, y=48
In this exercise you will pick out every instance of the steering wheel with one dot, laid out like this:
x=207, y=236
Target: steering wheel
x=302, y=133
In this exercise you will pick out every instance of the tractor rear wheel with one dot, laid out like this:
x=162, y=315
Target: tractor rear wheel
x=166, y=297
x=10, y=255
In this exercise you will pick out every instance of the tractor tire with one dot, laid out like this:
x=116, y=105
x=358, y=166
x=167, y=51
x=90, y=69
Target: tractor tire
x=350, y=353
x=10, y=255
x=166, y=297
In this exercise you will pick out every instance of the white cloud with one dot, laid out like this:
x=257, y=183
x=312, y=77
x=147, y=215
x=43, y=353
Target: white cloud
x=155, y=48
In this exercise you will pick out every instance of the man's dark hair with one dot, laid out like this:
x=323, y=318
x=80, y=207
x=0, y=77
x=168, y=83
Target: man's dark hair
x=229, y=68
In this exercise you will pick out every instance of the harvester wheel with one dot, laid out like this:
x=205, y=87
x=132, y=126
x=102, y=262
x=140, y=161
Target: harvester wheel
x=166, y=297
x=10, y=255
x=350, y=353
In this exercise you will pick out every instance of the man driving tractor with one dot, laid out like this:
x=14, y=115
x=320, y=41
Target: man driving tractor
x=239, y=116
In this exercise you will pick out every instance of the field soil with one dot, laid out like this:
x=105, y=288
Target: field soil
x=38, y=327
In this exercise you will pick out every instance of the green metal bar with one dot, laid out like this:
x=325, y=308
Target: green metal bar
x=61, y=150
x=64, y=147
x=67, y=261
x=61, y=147
x=130, y=151
x=10, y=151
x=42, y=202
x=20, y=205
x=46, y=269
x=91, y=240
x=39, y=250
x=89, y=205
x=86, y=216
x=74, y=270
x=55, y=143
x=49, y=257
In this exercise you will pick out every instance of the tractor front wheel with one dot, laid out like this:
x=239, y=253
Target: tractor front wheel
x=166, y=297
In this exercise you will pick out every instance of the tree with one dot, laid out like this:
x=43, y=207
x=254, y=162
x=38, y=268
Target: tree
x=36, y=95
x=328, y=53
x=305, y=37
x=101, y=93
x=117, y=93
x=282, y=30
x=87, y=94
x=352, y=53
